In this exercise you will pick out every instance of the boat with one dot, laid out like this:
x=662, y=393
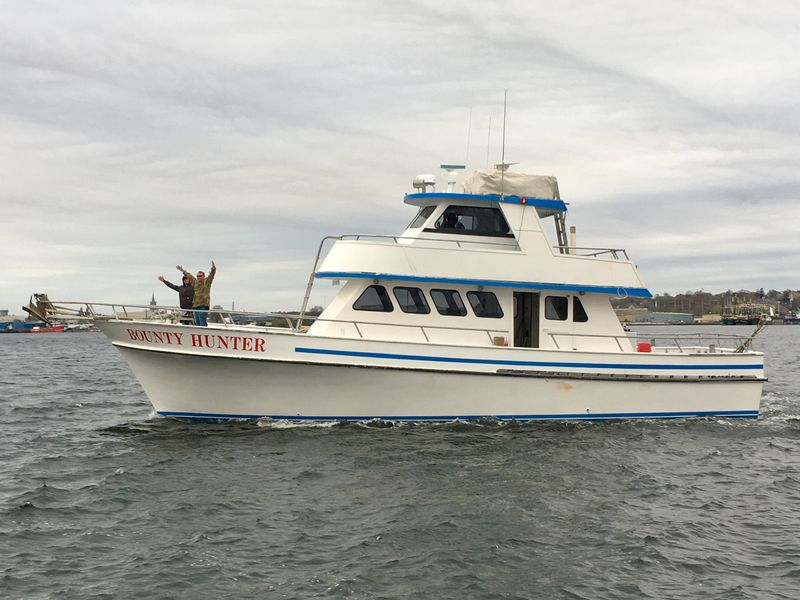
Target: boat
x=746, y=314
x=471, y=312
x=38, y=321
x=792, y=319
x=47, y=329
x=20, y=326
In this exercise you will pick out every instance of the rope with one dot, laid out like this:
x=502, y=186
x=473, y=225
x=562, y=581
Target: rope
x=745, y=345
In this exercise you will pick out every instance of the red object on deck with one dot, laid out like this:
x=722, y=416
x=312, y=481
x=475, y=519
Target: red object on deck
x=52, y=329
x=644, y=347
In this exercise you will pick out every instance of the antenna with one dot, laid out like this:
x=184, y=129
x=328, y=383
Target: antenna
x=469, y=132
x=488, y=142
x=503, y=152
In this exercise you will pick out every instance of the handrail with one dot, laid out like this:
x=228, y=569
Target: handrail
x=313, y=276
x=679, y=340
x=395, y=238
x=293, y=321
x=614, y=252
x=648, y=335
x=410, y=325
x=160, y=310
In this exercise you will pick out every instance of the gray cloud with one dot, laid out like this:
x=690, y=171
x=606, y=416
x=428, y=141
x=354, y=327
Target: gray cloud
x=134, y=136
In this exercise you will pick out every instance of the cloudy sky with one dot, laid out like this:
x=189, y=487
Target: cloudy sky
x=138, y=135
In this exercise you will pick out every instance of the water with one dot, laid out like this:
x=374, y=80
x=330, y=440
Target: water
x=98, y=499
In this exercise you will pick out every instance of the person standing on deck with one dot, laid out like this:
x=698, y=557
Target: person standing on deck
x=202, y=293
x=185, y=295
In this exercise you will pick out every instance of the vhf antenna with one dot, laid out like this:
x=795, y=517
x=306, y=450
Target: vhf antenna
x=469, y=133
x=488, y=142
x=503, y=151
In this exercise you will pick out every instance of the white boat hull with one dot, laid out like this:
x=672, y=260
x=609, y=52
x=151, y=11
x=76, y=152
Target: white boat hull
x=284, y=375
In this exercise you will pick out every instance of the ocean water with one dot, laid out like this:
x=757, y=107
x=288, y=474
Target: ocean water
x=99, y=499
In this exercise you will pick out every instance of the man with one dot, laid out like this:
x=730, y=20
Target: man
x=185, y=295
x=202, y=293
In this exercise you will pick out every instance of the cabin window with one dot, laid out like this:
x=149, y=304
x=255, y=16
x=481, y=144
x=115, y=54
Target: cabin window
x=448, y=303
x=422, y=216
x=578, y=312
x=485, y=304
x=411, y=300
x=472, y=220
x=555, y=308
x=374, y=298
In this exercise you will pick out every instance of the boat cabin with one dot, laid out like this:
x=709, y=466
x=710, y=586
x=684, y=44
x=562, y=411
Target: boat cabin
x=476, y=268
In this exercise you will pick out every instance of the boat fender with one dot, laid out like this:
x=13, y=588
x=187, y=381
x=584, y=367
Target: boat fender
x=644, y=347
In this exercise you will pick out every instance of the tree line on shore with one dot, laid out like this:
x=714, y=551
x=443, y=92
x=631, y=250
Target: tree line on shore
x=703, y=303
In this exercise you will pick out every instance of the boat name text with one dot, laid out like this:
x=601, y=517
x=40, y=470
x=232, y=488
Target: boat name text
x=197, y=340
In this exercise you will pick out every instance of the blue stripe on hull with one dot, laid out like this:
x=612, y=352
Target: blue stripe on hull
x=446, y=418
x=521, y=363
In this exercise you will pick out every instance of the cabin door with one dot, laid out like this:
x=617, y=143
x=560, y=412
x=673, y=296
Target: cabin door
x=526, y=319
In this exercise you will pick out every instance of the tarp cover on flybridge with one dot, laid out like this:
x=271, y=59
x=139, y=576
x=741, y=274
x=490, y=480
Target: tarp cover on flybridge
x=512, y=184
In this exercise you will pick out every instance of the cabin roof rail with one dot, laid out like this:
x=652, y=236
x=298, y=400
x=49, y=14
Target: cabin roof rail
x=614, y=252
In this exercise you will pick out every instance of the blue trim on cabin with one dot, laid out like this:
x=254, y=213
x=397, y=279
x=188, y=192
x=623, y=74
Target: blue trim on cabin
x=559, y=287
x=537, y=202
x=524, y=363
x=753, y=414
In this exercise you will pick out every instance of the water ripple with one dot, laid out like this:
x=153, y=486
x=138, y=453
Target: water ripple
x=100, y=498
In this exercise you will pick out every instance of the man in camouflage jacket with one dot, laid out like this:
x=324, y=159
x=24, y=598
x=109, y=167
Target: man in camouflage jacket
x=202, y=293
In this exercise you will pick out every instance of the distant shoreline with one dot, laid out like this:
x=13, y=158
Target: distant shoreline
x=684, y=324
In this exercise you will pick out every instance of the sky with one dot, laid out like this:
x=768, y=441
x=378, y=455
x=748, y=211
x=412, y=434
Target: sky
x=139, y=135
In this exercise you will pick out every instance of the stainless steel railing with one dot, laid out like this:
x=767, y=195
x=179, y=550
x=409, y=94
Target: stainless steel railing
x=395, y=239
x=614, y=253
x=706, y=342
x=684, y=343
x=230, y=318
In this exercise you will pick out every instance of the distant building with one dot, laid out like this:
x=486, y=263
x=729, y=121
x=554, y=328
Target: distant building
x=664, y=317
x=627, y=315
x=709, y=319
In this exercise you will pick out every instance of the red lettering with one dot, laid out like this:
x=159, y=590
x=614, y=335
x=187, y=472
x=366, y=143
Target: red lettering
x=144, y=336
x=163, y=337
x=226, y=342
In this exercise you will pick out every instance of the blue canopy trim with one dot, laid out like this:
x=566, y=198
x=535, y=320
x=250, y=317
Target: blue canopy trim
x=563, y=287
x=537, y=202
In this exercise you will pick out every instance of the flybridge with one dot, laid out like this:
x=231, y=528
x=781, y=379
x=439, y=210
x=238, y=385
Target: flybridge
x=499, y=186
